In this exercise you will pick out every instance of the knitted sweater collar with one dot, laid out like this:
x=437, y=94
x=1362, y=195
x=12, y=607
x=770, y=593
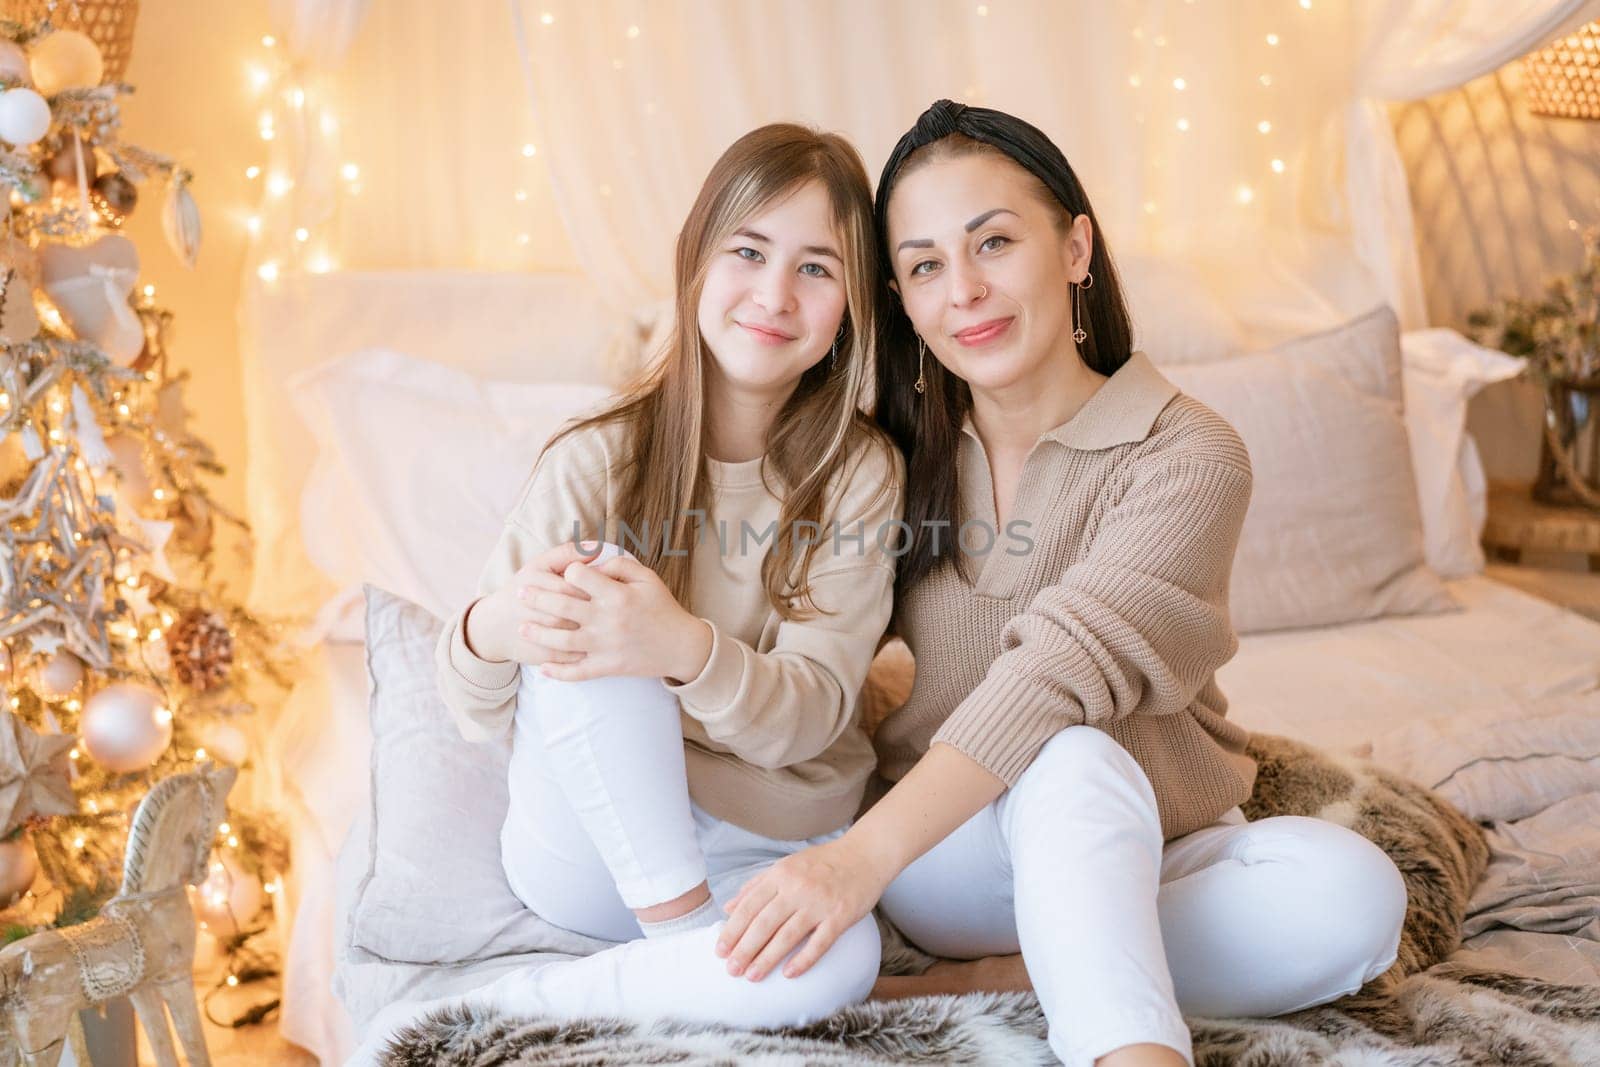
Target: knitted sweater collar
x=1122, y=411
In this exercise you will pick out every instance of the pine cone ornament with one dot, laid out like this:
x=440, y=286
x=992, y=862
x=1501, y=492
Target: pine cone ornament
x=201, y=649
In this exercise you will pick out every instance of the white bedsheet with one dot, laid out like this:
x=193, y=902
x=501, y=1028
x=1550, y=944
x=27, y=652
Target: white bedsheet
x=1411, y=691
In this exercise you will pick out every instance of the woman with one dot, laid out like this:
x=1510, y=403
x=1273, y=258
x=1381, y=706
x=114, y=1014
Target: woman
x=683, y=714
x=1066, y=783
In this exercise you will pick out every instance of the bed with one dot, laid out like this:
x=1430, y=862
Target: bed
x=1494, y=702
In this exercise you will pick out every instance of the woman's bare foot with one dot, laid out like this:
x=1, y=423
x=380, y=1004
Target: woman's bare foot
x=992, y=974
x=1145, y=1055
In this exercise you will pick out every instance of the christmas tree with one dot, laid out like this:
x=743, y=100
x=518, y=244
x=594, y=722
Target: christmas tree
x=124, y=660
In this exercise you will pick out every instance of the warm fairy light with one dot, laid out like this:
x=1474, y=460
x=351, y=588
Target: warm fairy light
x=633, y=31
x=1277, y=166
x=166, y=617
x=278, y=184
x=983, y=9
x=259, y=78
x=55, y=405
x=94, y=807
x=154, y=635
x=1272, y=39
x=547, y=18
x=159, y=494
x=74, y=704
x=252, y=172
x=1266, y=80
x=297, y=98
x=1183, y=125
x=528, y=150
x=223, y=828
x=268, y=41
x=233, y=842
x=233, y=979
x=1264, y=126
x=320, y=263
x=77, y=842
x=302, y=234
x=1306, y=4
x=73, y=754
x=199, y=753
x=350, y=172
x=55, y=435
x=1179, y=84
x=149, y=290
x=1134, y=81
x=163, y=715
x=523, y=238
x=1245, y=194
x=253, y=224
x=122, y=409
x=268, y=271
x=329, y=123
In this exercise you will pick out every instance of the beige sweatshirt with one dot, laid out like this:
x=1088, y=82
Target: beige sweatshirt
x=773, y=742
x=1116, y=617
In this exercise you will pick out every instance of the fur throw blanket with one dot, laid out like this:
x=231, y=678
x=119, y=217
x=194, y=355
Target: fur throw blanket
x=1421, y=1011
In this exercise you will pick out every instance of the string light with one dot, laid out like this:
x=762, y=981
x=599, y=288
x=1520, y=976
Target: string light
x=528, y=151
x=1277, y=166
x=1264, y=126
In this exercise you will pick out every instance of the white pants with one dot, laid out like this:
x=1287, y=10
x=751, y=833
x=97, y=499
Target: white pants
x=1121, y=934
x=600, y=822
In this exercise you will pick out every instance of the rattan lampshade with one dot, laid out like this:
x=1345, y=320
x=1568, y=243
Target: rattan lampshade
x=109, y=24
x=1563, y=80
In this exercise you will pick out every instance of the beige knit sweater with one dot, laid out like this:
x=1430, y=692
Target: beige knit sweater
x=773, y=742
x=1118, y=615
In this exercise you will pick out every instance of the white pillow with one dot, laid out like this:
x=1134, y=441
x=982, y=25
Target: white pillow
x=1333, y=533
x=1443, y=371
x=417, y=466
x=432, y=888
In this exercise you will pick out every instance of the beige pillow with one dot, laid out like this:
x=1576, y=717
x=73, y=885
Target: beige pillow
x=1333, y=533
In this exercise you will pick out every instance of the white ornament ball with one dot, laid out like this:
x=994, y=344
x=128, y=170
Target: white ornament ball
x=125, y=726
x=24, y=117
x=228, y=899
x=59, y=675
x=14, y=63
x=65, y=59
x=19, y=866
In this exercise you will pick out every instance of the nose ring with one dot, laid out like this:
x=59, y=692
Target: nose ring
x=983, y=291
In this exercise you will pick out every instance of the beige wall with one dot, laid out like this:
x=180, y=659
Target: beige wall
x=1496, y=192
x=192, y=102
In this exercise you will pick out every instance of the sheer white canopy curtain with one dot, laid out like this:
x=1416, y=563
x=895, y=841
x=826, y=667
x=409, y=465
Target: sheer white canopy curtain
x=1246, y=138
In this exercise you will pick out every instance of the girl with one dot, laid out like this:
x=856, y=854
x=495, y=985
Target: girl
x=1066, y=783
x=693, y=719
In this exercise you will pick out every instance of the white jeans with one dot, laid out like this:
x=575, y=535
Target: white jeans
x=600, y=821
x=1123, y=935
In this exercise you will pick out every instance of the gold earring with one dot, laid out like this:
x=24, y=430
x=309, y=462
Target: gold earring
x=1078, y=333
x=922, y=350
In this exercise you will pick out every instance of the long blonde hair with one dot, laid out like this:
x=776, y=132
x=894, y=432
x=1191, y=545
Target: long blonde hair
x=813, y=436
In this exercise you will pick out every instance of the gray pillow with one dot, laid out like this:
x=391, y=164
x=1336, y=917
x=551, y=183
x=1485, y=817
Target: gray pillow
x=433, y=889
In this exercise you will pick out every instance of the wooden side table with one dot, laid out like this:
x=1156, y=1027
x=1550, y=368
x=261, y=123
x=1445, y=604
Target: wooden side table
x=1518, y=523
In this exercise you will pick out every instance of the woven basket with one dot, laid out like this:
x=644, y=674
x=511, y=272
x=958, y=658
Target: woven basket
x=108, y=23
x=1563, y=80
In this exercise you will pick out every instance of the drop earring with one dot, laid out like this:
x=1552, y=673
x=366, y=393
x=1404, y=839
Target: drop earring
x=922, y=351
x=1078, y=333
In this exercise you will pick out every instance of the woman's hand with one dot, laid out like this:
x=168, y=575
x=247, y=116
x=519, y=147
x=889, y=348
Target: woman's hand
x=620, y=619
x=811, y=896
x=493, y=624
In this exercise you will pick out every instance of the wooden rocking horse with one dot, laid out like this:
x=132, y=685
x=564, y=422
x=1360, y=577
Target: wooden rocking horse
x=140, y=945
